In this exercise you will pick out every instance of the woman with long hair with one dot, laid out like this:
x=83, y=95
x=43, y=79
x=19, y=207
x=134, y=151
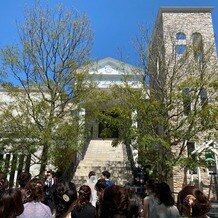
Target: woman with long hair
x=192, y=202
x=11, y=204
x=150, y=201
x=83, y=207
x=22, y=179
x=166, y=205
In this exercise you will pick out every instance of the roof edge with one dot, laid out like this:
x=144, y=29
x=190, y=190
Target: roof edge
x=183, y=9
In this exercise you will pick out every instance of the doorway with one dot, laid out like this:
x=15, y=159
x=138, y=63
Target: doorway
x=106, y=127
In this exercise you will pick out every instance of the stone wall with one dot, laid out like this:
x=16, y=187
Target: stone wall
x=188, y=21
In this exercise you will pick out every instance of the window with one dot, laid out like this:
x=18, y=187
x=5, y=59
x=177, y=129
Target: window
x=197, y=40
x=203, y=97
x=190, y=148
x=197, y=47
x=186, y=100
x=180, y=36
x=180, y=43
x=180, y=49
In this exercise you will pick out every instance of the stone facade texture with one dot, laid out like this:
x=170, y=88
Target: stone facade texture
x=171, y=21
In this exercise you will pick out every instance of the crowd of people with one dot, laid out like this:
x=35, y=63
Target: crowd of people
x=97, y=198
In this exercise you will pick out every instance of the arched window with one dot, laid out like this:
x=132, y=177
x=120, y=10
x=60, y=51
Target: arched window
x=197, y=43
x=197, y=40
x=180, y=44
x=180, y=36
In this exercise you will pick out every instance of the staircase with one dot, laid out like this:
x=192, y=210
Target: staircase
x=100, y=156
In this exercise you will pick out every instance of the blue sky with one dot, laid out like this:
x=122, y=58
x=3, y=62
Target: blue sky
x=115, y=22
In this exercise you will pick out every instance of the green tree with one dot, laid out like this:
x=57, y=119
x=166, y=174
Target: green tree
x=49, y=81
x=182, y=103
x=176, y=103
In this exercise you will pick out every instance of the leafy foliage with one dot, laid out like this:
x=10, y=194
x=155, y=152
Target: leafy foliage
x=50, y=78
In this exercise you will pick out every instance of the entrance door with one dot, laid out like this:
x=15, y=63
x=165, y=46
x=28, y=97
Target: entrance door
x=106, y=130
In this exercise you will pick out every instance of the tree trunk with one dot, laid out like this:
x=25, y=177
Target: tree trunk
x=44, y=159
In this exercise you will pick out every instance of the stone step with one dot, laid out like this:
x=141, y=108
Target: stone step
x=116, y=153
x=92, y=168
x=98, y=171
x=106, y=164
x=100, y=156
x=106, y=155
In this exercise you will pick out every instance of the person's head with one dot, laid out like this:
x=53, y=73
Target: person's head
x=92, y=178
x=192, y=202
x=91, y=173
x=23, y=178
x=151, y=186
x=3, y=182
x=49, y=174
x=115, y=202
x=106, y=174
x=84, y=196
x=35, y=190
x=164, y=194
x=11, y=204
x=100, y=187
x=64, y=195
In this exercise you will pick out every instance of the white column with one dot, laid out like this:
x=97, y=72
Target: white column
x=134, y=151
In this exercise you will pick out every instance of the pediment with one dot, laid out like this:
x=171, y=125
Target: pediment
x=109, y=71
x=110, y=66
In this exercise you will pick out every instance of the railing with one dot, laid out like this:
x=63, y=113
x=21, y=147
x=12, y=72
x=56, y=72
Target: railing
x=13, y=164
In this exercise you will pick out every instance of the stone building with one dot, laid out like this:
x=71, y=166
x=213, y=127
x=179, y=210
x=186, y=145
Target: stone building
x=99, y=154
x=183, y=63
x=182, y=47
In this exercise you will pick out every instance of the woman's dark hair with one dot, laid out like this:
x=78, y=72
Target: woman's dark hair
x=100, y=185
x=84, y=197
x=64, y=195
x=11, y=204
x=3, y=182
x=164, y=194
x=23, y=178
x=193, y=202
x=35, y=190
x=91, y=173
x=151, y=184
x=115, y=202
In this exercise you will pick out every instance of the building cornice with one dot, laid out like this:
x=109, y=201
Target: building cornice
x=172, y=9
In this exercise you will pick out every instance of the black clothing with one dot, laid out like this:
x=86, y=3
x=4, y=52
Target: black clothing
x=87, y=211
